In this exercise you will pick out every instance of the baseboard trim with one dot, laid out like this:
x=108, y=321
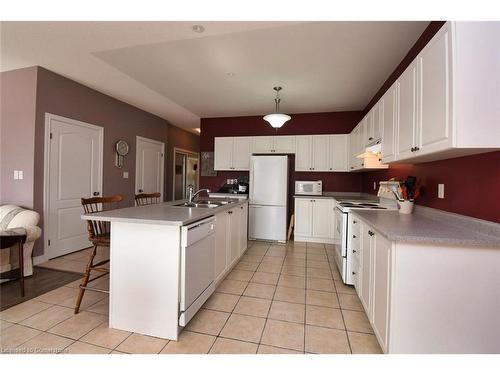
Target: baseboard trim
x=40, y=259
x=312, y=239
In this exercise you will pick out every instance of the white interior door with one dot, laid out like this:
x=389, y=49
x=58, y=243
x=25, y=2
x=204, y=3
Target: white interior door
x=73, y=170
x=149, y=166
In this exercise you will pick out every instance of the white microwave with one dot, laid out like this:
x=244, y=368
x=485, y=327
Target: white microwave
x=309, y=187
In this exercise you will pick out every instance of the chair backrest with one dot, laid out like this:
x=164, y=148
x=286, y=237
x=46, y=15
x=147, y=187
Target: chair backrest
x=145, y=199
x=99, y=204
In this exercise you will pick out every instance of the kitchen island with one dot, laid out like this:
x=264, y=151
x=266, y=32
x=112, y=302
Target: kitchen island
x=166, y=260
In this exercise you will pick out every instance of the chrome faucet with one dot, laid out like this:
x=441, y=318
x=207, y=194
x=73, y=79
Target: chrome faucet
x=192, y=194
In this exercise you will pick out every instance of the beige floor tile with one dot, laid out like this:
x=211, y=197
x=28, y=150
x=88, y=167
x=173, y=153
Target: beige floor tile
x=287, y=294
x=253, y=306
x=273, y=260
x=101, y=307
x=228, y=346
x=342, y=288
x=142, y=344
x=314, y=245
x=246, y=266
x=284, y=335
x=317, y=257
x=320, y=298
x=319, y=273
x=290, y=312
x=326, y=341
x=78, y=325
x=83, y=348
x=48, y=318
x=189, y=343
x=45, y=343
x=293, y=250
x=265, y=278
x=101, y=283
x=292, y=255
x=208, y=321
x=105, y=336
x=5, y=324
x=324, y=285
x=239, y=275
x=363, y=343
x=79, y=256
x=292, y=281
x=324, y=316
x=259, y=251
x=293, y=271
x=276, y=251
x=350, y=302
x=294, y=262
x=16, y=335
x=222, y=302
x=252, y=258
x=59, y=295
x=356, y=321
x=232, y=287
x=266, y=349
x=23, y=311
x=269, y=267
x=259, y=290
x=245, y=328
x=335, y=272
x=315, y=264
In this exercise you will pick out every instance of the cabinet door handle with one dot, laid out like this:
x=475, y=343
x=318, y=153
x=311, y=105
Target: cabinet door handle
x=96, y=193
x=417, y=148
x=370, y=138
x=353, y=236
x=354, y=251
x=354, y=273
x=354, y=222
x=371, y=233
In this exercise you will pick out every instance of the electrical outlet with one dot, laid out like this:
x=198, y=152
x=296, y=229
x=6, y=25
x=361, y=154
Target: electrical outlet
x=441, y=191
x=374, y=185
x=16, y=175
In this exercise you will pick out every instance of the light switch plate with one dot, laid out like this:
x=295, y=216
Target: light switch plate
x=125, y=174
x=20, y=175
x=441, y=191
x=16, y=175
x=374, y=185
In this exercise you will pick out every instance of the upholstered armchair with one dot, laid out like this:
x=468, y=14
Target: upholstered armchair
x=17, y=217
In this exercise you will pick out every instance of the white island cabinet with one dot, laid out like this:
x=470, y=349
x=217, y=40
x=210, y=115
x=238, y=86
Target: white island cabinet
x=428, y=298
x=166, y=261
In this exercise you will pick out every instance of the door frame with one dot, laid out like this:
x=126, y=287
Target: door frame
x=189, y=153
x=162, y=179
x=46, y=169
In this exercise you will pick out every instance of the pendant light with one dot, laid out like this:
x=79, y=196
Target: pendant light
x=277, y=119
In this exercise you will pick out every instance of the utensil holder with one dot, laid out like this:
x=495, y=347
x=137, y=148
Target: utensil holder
x=405, y=207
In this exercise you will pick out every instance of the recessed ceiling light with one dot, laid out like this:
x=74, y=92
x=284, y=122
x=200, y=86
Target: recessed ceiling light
x=198, y=28
x=231, y=74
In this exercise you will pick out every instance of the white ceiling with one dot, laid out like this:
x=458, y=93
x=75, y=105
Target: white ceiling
x=167, y=69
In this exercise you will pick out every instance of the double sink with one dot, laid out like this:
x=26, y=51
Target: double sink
x=203, y=204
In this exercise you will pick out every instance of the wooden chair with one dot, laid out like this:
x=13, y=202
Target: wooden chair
x=99, y=235
x=145, y=199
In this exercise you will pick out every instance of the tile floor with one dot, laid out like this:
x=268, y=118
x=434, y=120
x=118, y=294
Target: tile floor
x=278, y=299
x=77, y=261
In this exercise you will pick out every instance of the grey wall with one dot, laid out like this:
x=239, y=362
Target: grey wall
x=53, y=93
x=17, y=135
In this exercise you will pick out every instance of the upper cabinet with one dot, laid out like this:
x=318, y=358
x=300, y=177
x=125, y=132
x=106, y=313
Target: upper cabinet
x=283, y=144
x=321, y=153
x=303, y=151
x=447, y=99
x=232, y=153
x=338, y=152
x=389, y=115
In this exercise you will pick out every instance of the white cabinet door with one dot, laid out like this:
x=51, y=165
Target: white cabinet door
x=241, y=153
x=221, y=243
x=368, y=129
x=303, y=145
x=263, y=145
x=389, y=123
x=376, y=130
x=223, y=153
x=243, y=227
x=338, y=152
x=322, y=226
x=434, y=67
x=234, y=234
x=320, y=153
x=303, y=217
x=366, y=269
x=407, y=83
x=284, y=144
x=381, y=288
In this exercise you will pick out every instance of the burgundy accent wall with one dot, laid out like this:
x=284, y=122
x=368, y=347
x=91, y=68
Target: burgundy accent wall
x=301, y=123
x=471, y=184
x=17, y=135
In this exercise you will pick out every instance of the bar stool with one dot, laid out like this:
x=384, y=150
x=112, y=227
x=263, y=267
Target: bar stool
x=99, y=235
x=145, y=199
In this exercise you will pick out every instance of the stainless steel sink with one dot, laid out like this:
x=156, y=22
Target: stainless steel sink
x=200, y=205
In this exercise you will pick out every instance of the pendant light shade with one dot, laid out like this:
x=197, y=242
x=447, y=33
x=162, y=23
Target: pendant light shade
x=277, y=119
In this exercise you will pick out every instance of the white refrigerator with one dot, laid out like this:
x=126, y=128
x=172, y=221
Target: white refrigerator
x=268, y=197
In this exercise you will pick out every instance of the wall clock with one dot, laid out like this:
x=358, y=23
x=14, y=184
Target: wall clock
x=122, y=148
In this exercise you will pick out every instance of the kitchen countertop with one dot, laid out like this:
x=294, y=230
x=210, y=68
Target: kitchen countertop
x=431, y=226
x=165, y=213
x=345, y=196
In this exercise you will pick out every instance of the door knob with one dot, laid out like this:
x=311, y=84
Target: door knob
x=141, y=191
x=96, y=193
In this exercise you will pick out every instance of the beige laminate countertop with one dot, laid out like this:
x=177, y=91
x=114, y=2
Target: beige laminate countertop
x=166, y=213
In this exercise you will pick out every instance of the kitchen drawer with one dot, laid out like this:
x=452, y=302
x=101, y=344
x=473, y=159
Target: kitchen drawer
x=355, y=227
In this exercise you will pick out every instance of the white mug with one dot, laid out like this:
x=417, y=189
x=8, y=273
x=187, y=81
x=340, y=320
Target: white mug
x=405, y=207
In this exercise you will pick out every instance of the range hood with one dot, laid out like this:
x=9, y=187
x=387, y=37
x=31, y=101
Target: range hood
x=371, y=150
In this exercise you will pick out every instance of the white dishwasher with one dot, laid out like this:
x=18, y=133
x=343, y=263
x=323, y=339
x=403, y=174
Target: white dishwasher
x=197, y=267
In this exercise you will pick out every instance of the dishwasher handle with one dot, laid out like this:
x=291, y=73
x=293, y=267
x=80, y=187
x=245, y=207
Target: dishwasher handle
x=197, y=231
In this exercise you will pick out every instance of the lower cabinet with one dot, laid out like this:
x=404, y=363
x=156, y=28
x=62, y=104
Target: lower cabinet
x=314, y=220
x=381, y=289
x=230, y=238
